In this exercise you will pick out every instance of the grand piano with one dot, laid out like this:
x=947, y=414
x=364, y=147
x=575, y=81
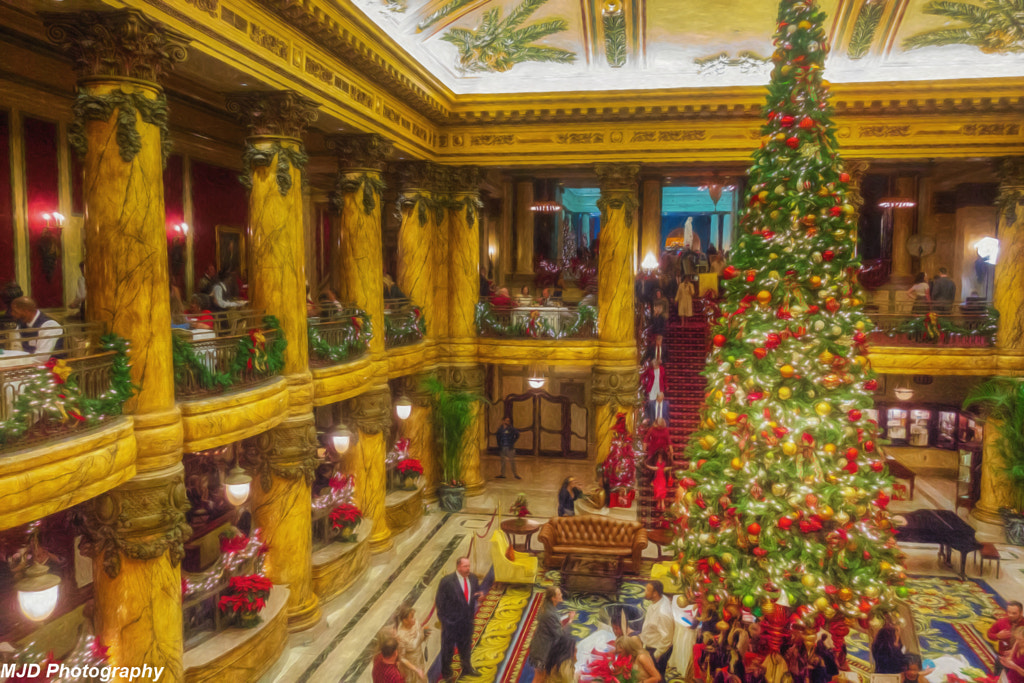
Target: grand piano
x=940, y=527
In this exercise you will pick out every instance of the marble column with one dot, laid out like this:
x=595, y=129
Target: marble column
x=417, y=239
x=463, y=280
x=419, y=429
x=995, y=489
x=285, y=458
x=357, y=263
x=903, y=224
x=1009, y=277
x=615, y=378
x=371, y=414
x=650, y=229
x=120, y=133
x=524, y=227
x=135, y=535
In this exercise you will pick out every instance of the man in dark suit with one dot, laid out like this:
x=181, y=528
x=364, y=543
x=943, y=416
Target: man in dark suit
x=456, y=598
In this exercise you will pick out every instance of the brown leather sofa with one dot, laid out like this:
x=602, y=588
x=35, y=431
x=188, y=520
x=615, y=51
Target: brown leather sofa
x=593, y=535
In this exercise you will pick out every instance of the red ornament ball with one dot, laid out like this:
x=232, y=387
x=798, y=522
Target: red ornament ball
x=719, y=340
x=828, y=254
x=793, y=142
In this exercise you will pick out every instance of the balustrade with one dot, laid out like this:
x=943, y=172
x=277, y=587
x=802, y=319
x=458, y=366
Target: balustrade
x=403, y=323
x=959, y=324
x=536, y=322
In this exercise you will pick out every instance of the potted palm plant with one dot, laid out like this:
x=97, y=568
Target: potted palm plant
x=452, y=416
x=1003, y=398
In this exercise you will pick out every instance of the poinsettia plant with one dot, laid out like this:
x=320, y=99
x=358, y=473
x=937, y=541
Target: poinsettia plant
x=608, y=667
x=410, y=467
x=345, y=515
x=247, y=594
x=520, y=507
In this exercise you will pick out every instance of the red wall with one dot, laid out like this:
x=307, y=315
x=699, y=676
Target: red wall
x=6, y=216
x=41, y=180
x=218, y=198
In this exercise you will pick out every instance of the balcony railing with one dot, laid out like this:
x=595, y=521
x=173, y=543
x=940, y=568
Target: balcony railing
x=211, y=361
x=958, y=325
x=84, y=381
x=338, y=335
x=536, y=322
x=403, y=323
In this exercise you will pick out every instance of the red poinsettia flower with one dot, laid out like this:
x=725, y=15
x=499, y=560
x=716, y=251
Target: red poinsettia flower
x=409, y=467
x=345, y=514
x=233, y=544
x=339, y=481
x=252, y=583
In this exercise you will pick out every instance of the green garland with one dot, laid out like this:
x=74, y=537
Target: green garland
x=263, y=357
x=372, y=187
x=405, y=327
x=354, y=343
x=51, y=399
x=924, y=331
x=487, y=323
x=286, y=158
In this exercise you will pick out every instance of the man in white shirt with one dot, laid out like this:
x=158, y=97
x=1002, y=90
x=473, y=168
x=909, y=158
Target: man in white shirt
x=219, y=294
x=40, y=334
x=659, y=626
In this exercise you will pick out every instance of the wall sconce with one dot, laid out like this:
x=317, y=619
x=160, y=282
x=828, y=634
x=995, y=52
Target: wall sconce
x=403, y=408
x=237, y=485
x=181, y=229
x=491, y=251
x=650, y=262
x=341, y=440
x=988, y=249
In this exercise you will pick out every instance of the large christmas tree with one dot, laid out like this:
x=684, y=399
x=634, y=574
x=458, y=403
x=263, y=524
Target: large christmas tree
x=785, y=503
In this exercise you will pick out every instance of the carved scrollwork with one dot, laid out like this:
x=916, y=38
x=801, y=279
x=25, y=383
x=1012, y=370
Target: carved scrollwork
x=287, y=451
x=273, y=112
x=130, y=107
x=122, y=43
x=1011, y=188
x=617, y=176
x=141, y=519
x=362, y=151
x=371, y=412
x=463, y=378
x=616, y=387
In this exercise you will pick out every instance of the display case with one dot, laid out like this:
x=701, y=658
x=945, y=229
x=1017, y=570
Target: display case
x=946, y=428
x=919, y=427
x=968, y=477
x=896, y=425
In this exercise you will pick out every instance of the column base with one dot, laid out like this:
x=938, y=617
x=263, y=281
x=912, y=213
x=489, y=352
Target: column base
x=477, y=489
x=983, y=514
x=305, y=616
x=380, y=545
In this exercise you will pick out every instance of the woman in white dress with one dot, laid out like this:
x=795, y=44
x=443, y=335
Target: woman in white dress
x=411, y=637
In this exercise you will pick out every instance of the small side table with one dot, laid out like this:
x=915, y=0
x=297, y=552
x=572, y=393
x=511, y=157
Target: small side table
x=520, y=526
x=660, y=538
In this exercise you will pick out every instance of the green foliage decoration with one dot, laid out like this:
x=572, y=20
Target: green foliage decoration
x=287, y=157
x=255, y=354
x=1003, y=400
x=50, y=400
x=615, y=38
x=584, y=323
x=406, y=326
x=371, y=185
x=129, y=107
x=355, y=340
x=452, y=416
x=499, y=44
x=864, y=29
x=994, y=27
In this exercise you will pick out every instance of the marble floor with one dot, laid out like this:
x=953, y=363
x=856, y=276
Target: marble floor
x=340, y=647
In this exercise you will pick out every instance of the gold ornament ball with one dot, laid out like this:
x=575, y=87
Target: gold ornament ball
x=787, y=371
x=845, y=594
x=789, y=448
x=871, y=592
x=809, y=580
x=785, y=393
x=778, y=490
x=821, y=604
x=764, y=297
x=823, y=409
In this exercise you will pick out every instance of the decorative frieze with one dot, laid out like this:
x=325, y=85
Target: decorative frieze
x=371, y=412
x=617, y=387
x=288, y=451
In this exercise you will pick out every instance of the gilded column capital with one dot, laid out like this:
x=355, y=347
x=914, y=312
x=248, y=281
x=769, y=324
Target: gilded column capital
x=463, y=377
x=417, y=176
x=361, y=152
x=1011, y=187
x=617, y=176
x=856, y=168
x=615, y=386
x=371, y=412
x=140, y=519
x=274, y=113
x=413, y=389
x=288, y=451
x=464, y=179
x=121, y=43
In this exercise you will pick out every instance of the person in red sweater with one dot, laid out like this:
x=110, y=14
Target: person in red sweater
x=1002, y=630
x=385, y=664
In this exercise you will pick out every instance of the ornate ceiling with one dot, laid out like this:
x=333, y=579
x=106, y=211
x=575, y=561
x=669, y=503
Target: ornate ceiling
x=513, y=46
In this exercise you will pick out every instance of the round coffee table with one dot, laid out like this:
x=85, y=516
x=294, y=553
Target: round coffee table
x=520, y=526
x=660, y=537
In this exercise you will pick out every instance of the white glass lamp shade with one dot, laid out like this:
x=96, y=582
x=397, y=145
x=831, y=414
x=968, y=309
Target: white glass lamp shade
x=38, y=592
x=650, y=262
x=403, y=408
x=537, y=382
x=341, y=440
x=904, y=393
x=236, y=486
x=988, y=249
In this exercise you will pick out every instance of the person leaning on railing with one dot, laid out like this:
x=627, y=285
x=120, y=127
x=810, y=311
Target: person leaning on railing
x=219, y=294
x=40, y=334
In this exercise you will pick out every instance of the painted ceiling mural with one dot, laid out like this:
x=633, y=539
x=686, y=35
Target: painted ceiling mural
x=508, y=46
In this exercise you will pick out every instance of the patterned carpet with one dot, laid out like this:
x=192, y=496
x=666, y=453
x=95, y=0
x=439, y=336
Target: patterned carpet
x=951, y=617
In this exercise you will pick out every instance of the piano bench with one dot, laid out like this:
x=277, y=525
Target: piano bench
x=989, y=552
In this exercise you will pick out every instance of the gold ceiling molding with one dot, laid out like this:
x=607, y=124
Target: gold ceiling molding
x=382, y=60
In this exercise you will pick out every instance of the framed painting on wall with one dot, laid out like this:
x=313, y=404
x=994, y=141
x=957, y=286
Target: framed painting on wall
x=231, y=250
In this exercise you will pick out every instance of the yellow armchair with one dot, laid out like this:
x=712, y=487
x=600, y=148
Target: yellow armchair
x=521, y=570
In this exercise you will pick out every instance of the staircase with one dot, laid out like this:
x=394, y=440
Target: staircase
x=686, y=345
